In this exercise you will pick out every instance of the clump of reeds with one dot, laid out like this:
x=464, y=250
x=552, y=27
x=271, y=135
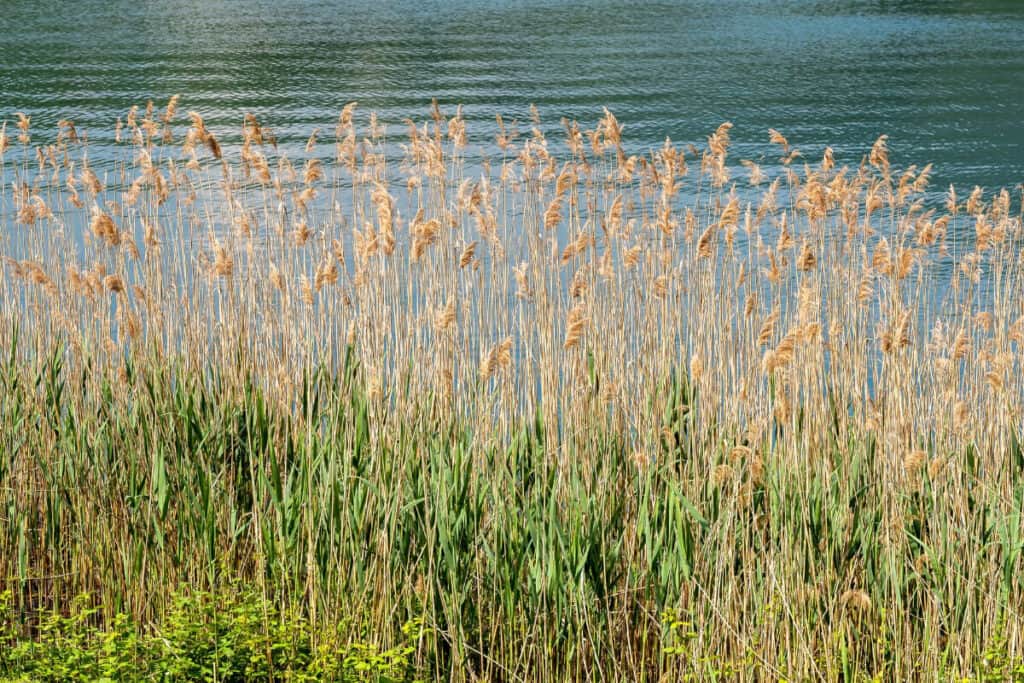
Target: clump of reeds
x=536, y=395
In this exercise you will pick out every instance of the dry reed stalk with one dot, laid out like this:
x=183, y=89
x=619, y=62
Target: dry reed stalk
x=738, y=341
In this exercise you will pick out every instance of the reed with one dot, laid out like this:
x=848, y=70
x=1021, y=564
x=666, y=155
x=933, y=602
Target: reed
x=584, y=413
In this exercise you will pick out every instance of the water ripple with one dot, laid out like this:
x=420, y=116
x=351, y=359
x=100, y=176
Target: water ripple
x=944, y=80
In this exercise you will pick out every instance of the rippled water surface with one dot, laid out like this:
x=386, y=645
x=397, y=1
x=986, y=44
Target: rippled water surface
x=944, y=79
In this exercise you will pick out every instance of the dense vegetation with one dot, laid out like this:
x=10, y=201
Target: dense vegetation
x=453, y=417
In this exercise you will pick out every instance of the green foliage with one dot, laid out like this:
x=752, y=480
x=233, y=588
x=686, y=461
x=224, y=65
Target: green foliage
x=233, y=635
x=230, y=537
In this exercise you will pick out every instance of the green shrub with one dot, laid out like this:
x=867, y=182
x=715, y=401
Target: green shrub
x=232, y=635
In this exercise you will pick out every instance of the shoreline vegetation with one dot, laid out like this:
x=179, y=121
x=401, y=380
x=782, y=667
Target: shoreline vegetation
x=369, y=408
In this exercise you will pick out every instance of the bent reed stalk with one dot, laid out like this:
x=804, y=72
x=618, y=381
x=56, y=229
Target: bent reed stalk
x=590, y=414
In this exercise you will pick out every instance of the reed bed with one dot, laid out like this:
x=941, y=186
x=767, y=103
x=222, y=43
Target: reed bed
x=586, y=414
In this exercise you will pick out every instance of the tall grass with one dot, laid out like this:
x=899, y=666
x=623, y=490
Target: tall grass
x=590, y=414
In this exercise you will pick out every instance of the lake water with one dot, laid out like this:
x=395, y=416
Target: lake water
x=944, y=79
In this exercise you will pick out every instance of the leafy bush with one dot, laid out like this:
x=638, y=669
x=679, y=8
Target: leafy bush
x=232, y=635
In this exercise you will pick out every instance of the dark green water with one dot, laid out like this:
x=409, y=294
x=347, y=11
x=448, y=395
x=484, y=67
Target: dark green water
x=944, y=79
